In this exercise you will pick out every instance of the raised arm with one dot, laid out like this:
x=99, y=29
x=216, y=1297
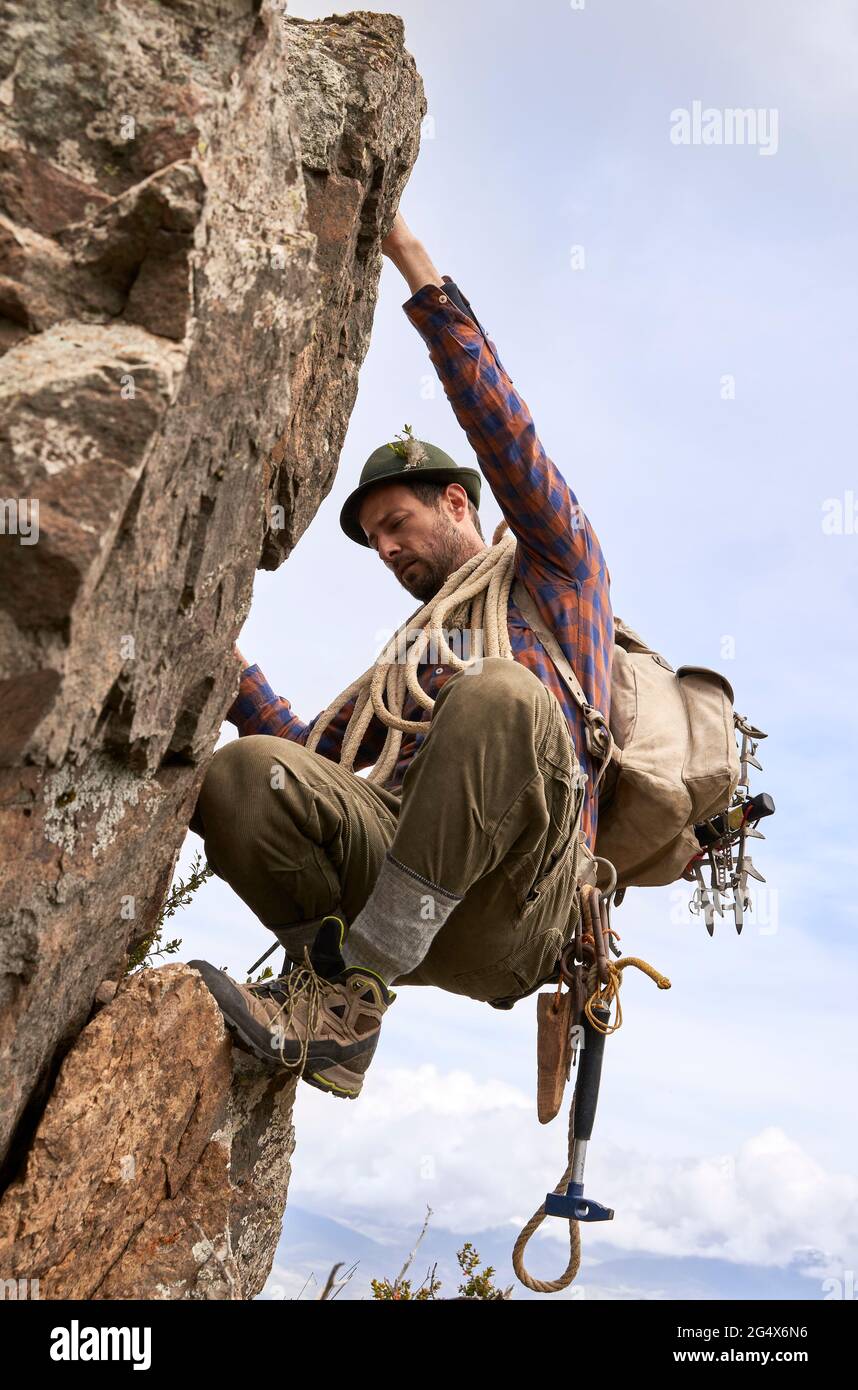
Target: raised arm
x=410, y=256
x=542, y=510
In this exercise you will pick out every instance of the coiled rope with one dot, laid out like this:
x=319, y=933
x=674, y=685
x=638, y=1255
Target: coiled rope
x=475, y=598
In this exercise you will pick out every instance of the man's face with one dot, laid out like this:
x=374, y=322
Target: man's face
x=421, y=544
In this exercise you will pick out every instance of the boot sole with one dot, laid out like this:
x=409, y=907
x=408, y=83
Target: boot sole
x=336, y=1081
x=257, y=1039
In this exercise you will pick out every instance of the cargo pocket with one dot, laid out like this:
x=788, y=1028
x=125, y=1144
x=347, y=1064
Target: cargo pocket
x=519, y=973
x=537, y=959
x=546, y=922
x=565, y=804
x=545, y=886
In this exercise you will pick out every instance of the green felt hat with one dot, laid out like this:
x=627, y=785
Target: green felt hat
x=405, y=460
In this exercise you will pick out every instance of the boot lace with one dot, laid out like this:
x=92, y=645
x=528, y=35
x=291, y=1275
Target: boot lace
x=302, y=983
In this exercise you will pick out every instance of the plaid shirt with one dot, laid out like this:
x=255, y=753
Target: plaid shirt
x=559, y=558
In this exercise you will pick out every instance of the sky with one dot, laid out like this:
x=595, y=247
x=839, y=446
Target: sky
x=681, y=320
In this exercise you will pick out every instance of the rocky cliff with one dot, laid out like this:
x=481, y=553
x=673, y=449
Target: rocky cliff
x=192, y=198
x=160, y=1165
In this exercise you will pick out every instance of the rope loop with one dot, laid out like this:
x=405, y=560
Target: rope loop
x=598, y=995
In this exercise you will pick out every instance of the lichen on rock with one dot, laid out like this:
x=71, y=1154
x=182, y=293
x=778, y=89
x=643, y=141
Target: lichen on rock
x=192, y=201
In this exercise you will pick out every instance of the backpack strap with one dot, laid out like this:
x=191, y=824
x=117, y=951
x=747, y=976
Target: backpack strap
x=600, y=744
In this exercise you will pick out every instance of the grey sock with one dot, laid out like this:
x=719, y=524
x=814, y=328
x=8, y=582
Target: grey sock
x=398, y=923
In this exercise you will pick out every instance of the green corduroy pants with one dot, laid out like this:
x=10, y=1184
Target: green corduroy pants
x=489, y=809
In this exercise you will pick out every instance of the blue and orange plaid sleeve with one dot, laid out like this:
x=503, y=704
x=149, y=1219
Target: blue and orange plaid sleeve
x=257, y=710
x=559, y=558
x=540, y=506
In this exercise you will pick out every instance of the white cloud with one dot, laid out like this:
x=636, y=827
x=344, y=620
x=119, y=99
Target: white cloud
x=769, y=1203
x=416, y=1137
x=475, y=1154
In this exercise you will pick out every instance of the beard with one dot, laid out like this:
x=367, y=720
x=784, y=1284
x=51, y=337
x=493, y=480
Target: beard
x=448, y=552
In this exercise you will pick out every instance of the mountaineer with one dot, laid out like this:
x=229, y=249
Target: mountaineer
x=454, y=863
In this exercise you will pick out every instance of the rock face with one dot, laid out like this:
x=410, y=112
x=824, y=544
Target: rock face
x=192, y=198
x=160, y=1166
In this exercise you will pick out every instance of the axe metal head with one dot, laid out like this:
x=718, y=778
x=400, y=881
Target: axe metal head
x=574, y=1206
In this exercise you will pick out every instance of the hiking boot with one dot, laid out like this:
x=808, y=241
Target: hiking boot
x=321, y=1020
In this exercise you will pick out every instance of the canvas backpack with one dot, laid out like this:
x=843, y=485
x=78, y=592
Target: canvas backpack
x=670, y=762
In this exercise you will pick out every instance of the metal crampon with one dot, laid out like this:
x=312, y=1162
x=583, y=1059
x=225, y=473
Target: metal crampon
x=723, y=840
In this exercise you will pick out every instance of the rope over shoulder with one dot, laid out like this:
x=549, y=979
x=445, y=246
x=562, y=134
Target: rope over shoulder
x=476, y=598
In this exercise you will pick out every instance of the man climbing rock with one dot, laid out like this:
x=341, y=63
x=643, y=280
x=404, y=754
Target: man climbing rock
x=454, y=863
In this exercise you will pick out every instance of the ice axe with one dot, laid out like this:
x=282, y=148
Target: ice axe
x=572, y=1204
x=584, y=966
